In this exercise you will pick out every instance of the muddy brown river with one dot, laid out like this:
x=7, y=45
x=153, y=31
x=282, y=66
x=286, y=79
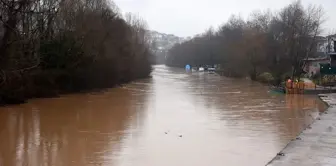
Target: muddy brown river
x=172, y=119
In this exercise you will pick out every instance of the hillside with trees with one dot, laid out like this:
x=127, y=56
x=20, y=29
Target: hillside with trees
x=161, y=43
x=273, y=43
x=49, y=47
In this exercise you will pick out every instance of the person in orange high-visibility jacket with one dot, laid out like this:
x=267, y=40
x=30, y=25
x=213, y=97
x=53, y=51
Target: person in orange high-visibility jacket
x=289, y=83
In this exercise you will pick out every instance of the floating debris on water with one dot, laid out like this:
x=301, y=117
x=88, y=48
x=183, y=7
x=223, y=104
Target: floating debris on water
x=281, y=154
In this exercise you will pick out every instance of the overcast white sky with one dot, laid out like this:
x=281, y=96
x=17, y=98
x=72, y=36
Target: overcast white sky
x=189, y=17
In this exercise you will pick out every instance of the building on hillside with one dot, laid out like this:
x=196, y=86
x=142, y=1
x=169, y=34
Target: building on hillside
x=322, y=43
x=312, y=65
x=328, y=70
x=331, y=49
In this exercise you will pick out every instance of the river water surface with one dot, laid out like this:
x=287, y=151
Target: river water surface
x=172, y=119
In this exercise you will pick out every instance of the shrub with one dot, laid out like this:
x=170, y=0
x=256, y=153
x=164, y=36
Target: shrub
x=266, y=78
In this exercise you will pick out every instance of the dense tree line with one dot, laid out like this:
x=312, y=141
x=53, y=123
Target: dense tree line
x=275, y=43
x=49, y=47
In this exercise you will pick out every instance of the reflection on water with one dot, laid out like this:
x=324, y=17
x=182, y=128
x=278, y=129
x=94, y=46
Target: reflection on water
x=173, y=119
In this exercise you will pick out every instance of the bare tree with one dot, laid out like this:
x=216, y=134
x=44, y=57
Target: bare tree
x=277, y=43
x=67, y=45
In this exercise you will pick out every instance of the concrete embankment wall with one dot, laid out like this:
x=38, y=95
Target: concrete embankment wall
x=316, y=145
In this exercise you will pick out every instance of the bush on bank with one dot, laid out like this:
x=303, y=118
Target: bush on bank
x=266, y=78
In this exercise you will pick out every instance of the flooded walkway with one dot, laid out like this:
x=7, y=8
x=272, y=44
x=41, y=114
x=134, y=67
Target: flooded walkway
x=316, y=145
x=172, y=119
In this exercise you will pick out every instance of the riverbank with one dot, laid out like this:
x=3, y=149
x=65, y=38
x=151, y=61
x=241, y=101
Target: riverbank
x=316, y=145
x=51, y=91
